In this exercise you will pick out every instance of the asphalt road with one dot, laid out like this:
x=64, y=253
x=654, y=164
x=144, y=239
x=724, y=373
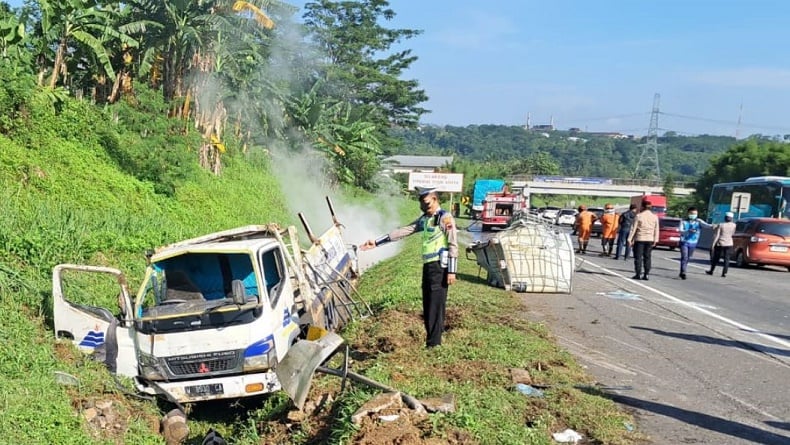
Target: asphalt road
x=704, y=360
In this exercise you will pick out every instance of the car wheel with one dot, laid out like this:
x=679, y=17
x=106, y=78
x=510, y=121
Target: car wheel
x=740, y=259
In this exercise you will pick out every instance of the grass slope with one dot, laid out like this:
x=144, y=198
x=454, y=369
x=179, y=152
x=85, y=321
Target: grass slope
x=68, y=202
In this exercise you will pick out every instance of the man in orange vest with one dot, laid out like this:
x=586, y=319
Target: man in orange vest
x=584, y=222
x=609, y=229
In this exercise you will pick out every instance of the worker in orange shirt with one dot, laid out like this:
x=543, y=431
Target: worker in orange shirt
x=584, y=222
x=609, y=229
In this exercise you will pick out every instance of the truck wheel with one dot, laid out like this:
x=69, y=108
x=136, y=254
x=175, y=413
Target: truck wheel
x=740, y=259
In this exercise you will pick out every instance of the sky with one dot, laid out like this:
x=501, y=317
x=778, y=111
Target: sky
x=597, y=65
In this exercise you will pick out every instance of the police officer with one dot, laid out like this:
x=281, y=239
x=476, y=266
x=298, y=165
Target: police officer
x=439, y=259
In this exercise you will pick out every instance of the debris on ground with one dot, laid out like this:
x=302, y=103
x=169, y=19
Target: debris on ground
x=518, y=375
x=384, y=402
x=444, y=404
x=567, y=436
x=528, y=390
x=620, y=295
x=528, y=256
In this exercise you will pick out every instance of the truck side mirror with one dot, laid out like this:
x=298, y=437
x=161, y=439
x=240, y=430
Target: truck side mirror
x=238, y=292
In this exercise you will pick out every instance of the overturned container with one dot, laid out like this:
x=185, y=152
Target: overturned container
x=528, y=256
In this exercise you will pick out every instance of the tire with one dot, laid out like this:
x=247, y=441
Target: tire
x=740, y=259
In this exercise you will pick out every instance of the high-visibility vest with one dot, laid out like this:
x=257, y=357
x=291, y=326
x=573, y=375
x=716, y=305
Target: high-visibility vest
x=434, y=242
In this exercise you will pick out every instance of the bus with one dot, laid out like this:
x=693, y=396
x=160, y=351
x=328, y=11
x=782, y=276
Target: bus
x=768, y=198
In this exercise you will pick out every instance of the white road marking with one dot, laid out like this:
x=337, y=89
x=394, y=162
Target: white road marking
x=680, y=301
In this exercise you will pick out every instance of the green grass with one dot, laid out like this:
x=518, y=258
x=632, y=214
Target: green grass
x=69, y=202
x=488, y=336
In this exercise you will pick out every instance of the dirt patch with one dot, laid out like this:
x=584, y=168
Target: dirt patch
x=394, y=331
x=407, y=428
x=107, y=417
x=66, y=353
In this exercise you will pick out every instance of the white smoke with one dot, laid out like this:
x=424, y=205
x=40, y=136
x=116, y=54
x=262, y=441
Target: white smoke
x=305, y=181
x=304, y=175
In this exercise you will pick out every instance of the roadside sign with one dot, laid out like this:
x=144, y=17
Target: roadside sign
x=740, y=202
x=443, y=182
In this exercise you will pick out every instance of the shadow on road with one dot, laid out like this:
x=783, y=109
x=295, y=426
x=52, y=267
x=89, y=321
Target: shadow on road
x=701, y=420
x=780, y=425
x=718, y=341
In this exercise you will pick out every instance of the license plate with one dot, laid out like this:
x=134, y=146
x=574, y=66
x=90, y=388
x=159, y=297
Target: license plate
x=211, y=389
x=674, y=238
x=779, y=249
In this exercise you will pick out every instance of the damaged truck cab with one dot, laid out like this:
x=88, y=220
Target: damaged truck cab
x=215, y=314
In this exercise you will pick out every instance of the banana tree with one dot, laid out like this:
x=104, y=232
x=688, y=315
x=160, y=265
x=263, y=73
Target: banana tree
x=83, y=23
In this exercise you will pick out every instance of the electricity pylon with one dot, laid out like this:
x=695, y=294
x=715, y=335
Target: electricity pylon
x=648, y=161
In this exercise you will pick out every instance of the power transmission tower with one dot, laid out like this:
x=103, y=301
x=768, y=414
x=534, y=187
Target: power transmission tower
x=648, y=161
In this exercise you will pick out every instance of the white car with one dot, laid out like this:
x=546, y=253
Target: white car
x=566, y=217
x=550, y=213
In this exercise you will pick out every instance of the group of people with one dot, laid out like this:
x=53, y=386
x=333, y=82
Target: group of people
x=613, y=227
x=640, y=232
x=637, y=231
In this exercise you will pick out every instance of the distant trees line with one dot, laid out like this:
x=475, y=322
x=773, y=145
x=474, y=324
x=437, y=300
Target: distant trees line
x=500, y=151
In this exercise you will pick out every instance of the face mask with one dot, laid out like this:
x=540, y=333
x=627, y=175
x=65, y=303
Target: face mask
x=692, y=216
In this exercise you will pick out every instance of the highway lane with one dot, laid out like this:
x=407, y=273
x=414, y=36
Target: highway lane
x=703, y=360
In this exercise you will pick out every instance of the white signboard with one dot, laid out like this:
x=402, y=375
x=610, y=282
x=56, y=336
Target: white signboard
x=740, y=202
x=443, y=182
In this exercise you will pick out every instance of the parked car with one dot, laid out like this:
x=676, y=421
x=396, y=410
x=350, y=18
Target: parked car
x=566, y=217
x=597, y=227
x=669, y=232
x=550, y=213
x=764, y=241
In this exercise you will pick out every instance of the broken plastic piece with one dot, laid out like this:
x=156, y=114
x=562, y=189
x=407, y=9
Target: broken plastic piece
x=567, y=436
x=528, y=390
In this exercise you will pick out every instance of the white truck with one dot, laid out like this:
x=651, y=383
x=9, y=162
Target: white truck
x=215, y=315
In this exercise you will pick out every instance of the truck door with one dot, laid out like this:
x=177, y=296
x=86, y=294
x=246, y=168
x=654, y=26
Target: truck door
x=79, y=294
x=280, y=299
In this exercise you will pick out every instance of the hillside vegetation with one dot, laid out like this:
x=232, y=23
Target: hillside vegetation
x=563, y=152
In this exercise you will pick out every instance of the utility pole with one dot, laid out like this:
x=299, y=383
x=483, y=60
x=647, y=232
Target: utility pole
x=648, y=161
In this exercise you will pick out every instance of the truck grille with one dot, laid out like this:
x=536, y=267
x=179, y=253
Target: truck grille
x=203, y=363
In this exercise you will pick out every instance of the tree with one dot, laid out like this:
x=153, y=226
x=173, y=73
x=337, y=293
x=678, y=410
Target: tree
x=83, y=23
x=358, y=66
x=753, y=157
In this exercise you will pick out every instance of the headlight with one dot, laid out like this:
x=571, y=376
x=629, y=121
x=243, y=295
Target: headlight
x=260, y=355
x=149, y=367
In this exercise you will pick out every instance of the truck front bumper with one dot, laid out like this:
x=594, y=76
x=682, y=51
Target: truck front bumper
x=227, y=387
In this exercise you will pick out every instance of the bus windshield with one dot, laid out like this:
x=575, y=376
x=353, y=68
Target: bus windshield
x=767, y=199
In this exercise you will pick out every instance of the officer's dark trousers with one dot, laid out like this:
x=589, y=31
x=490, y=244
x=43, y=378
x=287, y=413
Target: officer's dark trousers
x=642, y=256
x=720, y=252
x=434, y=300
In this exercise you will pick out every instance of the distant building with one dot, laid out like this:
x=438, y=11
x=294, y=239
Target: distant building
x=608, y=134
x=549, y=127
x=407, y=164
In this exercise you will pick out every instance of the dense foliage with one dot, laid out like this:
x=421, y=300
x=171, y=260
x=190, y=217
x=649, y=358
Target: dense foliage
x=575, y=154
x=235, y=73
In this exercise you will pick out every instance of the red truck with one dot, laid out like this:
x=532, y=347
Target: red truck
x=499, y=208
x=658, y=201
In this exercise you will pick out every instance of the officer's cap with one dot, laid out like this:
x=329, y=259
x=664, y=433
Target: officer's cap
x=422, y=191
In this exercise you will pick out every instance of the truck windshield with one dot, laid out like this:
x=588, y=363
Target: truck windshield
x=199, y=291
